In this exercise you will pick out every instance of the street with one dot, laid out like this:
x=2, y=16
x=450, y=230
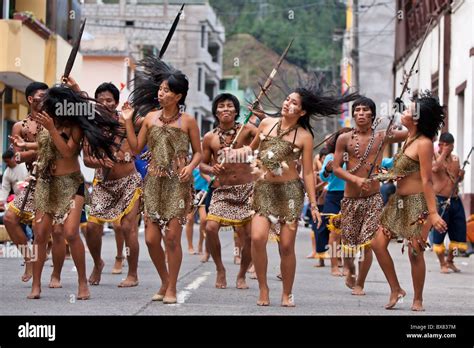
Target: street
x=315, y=291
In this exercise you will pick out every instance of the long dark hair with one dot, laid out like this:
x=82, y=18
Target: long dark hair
x=430, y=114
x=317, y=102
x=69, y=108
x=151, y=72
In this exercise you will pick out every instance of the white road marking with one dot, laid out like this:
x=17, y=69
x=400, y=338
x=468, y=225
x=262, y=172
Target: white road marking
x=194, y=285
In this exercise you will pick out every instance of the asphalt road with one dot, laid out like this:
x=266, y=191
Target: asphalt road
x=315, y=291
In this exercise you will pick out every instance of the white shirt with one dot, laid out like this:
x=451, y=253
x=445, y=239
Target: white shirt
x=10, y=178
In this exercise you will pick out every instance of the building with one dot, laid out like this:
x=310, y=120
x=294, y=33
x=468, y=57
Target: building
x=445, y=66
x=35, y=44
x=131, y=29
x=368, y=54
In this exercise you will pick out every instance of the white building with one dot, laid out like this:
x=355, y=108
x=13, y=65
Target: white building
x=445, y=66
x=132, y=28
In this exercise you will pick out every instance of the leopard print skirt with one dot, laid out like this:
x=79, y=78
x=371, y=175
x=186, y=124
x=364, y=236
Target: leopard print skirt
x=113, y=199
x=231, y=205
x=29, y=211
x=360, y=218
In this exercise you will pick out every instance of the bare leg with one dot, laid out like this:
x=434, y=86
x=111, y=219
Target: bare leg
x=364, y=267
x=71, y=231
x=129, y=229
x=380, y=247
x=334, y=242
x=288, y=262
x=351, y=276
x=450, y=262
x=259, y=235
x=213, y=246
x=18, y=237
x=153, y=241
x=94, y=243
x=119, y=241
x=42, y=231
x=202, y=232
x=418, y=269
x=244, y=232
x=189, y=232
x=59, y=254
x=175, y=257
x=237, y=248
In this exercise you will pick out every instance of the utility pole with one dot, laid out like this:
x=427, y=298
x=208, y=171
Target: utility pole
x=355, y=42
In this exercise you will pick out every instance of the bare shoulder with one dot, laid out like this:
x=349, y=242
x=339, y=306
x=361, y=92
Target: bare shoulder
x=305, y=135
x=208, y=137
x=249, y=127
x=344, y=138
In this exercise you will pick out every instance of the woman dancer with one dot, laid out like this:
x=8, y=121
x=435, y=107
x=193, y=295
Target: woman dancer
x=414, y=201
x=168, y=131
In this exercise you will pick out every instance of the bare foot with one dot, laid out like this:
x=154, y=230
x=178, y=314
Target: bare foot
x=350, y=280
x=117, y=269
x=264, y=298
x=28, y=272
x=191, y=251
x=453, y=267
x=34, y=294
x=311, y=256
x=417, y=306
x=205, y=258
x=444, y=269
x=221, y=282
x=335, y=272
x=160, y=295
x=241, y=284
x=345, y=272
x=129, y=282
x=237, y=260
x=170, y=296
x=395, y=297
x=358, y=291
x=55, y=282
x=83, y=292
x=94, y=278
x=320, y=263
x=288, y=301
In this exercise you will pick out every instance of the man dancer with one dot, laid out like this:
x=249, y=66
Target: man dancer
x=115, y=198
x=362, y=204
x=446, y=170
x=230, y=203
x=26, y=131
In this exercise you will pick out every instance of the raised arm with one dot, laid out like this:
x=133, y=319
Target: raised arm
x=136, y=143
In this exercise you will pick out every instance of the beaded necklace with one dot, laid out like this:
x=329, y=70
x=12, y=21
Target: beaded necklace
x=364, y=157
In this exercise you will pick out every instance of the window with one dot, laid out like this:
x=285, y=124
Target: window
x=460, y=127
x=199, y=79
x=203, y=36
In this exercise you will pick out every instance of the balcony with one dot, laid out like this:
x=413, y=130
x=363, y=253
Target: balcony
x=22, y=51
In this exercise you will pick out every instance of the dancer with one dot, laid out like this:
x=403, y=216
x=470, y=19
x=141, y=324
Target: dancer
x=67, y=118
x=279, y=193
x=446, y=171
x=230, y=203
x=168, y=131
x=362, y=204
x=411, y=210
x=115, y=198
x=25, y=130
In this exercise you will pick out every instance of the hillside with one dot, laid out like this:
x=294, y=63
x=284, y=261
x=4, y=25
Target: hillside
x=252, y=62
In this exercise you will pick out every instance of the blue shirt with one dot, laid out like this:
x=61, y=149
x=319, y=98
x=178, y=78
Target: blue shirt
x=335, y=183
x=200, y=184
x=387, y=163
